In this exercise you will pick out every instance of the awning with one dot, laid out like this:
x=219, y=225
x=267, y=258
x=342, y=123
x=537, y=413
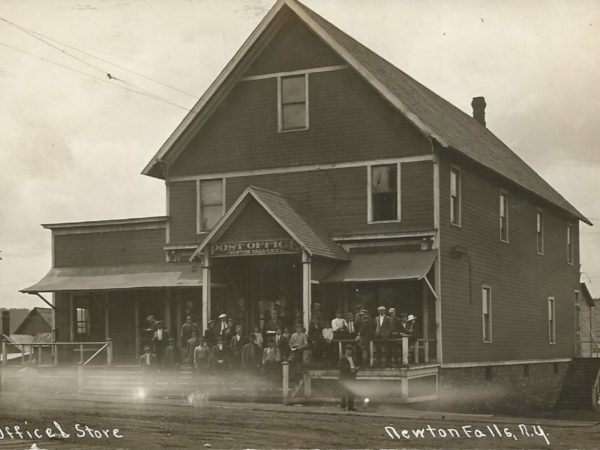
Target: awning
x=386, y=266
x=119, y=277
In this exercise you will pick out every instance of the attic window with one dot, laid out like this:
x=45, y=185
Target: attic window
x=293, y=103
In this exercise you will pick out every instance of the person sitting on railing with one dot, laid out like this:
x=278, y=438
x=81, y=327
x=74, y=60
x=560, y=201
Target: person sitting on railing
x=172, y=357
x=298, y=343
x=383, y=328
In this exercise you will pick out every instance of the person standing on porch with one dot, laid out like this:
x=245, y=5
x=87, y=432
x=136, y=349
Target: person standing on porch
x=151, y=327
x=251, y=356
x=351, y=331
x=148, y=361
x=366, y=333
x=272, y=361
x=160, y=340
x=172, y=358
x=190, y=345
x=220, y=355
x=383, y=328
x=347, y=376
x=187, y=328
x=339, y=326
x=298, y=343
x=236, y=345
x=201, y=357
x=210, y=334
x=222, y=327
x=281, y=342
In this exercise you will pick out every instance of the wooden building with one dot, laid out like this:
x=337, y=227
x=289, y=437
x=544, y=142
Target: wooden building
x=313, y=169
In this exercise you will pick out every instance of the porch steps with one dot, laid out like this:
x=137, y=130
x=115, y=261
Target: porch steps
x=577, y=388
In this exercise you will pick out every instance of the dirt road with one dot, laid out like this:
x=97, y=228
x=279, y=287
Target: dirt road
x=175, y=424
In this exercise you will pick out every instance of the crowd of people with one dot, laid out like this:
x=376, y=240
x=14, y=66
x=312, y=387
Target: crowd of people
x=224, y=346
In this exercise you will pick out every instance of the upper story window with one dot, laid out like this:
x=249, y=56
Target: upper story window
x=211, y=204
x=570, y=244
x=551, y=320
x=384, y=193
x=540, y=232
x=455, y=196
x=503, y=216
x=293, y=102
x=486, y=313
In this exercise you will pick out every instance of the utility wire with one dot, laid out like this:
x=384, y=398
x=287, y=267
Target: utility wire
x=136, y=91
x=108, y=75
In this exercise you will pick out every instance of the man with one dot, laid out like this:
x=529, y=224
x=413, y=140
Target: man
x=298, y=343
x=395, y=334
x=272, y=361
x=347, y=376
x=160, y=340
x=317, y=314
x=366, y=333
x=251, y=356
x=282, y=343
x=148, y=361
x=403, y=324
x=151, y=326
x=222, y=327
x=220, y=353
x=383, y=328
x=187, y=328
x=172, y=358
x=210, y=335
x=235, y=347
x=352, y=329
x=315, y=339
x=339, y=326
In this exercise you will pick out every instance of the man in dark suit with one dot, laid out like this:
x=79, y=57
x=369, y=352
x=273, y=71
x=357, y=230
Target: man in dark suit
x=220, y=355
x=366, y=333
x=383, y=329
x=347, y=377
x=235, y=347
x=282, y=343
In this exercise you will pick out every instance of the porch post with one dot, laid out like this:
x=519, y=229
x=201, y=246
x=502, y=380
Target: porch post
x=306, y=288
x=106, y=317
x=168, y=311
x=425, y=314
x=136, y=318
x=178, y=318
x=205, y=291
x=71, y=324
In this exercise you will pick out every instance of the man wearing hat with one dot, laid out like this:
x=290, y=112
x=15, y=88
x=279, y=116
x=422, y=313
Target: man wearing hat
x=148, y=361
x=395, y=334
x=220, y=354
x=347, y=376
x=383, y=328
x=172, y=357
x=222, y=326
x=160, y=339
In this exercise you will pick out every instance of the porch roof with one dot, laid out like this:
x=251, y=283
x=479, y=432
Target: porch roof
x=384, y=266
x=118, y=277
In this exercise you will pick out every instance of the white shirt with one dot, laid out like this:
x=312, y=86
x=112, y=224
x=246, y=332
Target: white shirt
x=351, y=361
x=159, y=334
x=381, y=320
x=338, y=324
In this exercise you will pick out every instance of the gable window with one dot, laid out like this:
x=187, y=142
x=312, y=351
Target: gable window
x=570, y=244
x=210, y=203
x=540, y=232
x=293, y=103
x=455, y=196
x=486, y=313
x=384, y=193
x=503, y=217
x=551, y=320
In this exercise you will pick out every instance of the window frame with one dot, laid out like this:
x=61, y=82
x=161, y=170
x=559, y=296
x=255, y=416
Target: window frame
x=570, y=245
x=81, y=302
x=503, y=195
x=398, y=193
x=551, y=314
x=280, y=104
x=457, y=222
x=539, y=234
x=486, y=288
x=199, y=182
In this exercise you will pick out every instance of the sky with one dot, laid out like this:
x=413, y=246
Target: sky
x=73, y=141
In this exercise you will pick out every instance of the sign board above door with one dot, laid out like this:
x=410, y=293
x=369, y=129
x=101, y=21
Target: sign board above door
x=253, y=248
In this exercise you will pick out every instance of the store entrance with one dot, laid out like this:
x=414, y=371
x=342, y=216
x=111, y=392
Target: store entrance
x=263, y=292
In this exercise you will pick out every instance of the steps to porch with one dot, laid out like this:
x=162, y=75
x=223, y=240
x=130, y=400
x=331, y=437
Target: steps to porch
x=580, y=388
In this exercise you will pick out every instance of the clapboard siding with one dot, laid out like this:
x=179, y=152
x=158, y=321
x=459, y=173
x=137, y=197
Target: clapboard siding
x=294, y=47
x=521, y=280
x=182, y=212
x=109, y=248
x=253, y=223
x=349, y=121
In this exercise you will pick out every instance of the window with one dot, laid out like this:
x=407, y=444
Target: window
x=83, y=322
x=504, y=217
x=551, y=321
x=540, y=232
x=486, y=313
x=384, y=187
x=293, y=103
x=570, y=244
x=210, y=203
x=455, y=196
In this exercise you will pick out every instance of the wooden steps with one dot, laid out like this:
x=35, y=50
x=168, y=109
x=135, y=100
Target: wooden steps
x=578, y=387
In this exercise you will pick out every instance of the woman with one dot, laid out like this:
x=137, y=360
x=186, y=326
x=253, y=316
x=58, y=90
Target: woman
x=201, y=358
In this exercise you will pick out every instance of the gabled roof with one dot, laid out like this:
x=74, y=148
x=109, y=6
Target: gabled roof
x=435, y=117
x=289, y=215
x=44, y=313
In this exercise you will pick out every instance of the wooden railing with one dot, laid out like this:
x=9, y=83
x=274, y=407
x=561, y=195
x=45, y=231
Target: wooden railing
x=34, y=353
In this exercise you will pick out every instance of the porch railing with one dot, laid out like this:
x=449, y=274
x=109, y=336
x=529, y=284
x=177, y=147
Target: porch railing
x=34, y=353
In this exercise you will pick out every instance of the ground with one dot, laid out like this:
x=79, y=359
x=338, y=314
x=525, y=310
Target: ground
x=177, y=424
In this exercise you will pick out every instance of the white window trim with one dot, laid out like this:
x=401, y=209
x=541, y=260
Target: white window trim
x=505, y=194
x=541, y=213
x=491, y=339
x=456, y=169
x=571, y=253
x=551, y=330
x=398, y=196
x=279, y=105
x=199, y=229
